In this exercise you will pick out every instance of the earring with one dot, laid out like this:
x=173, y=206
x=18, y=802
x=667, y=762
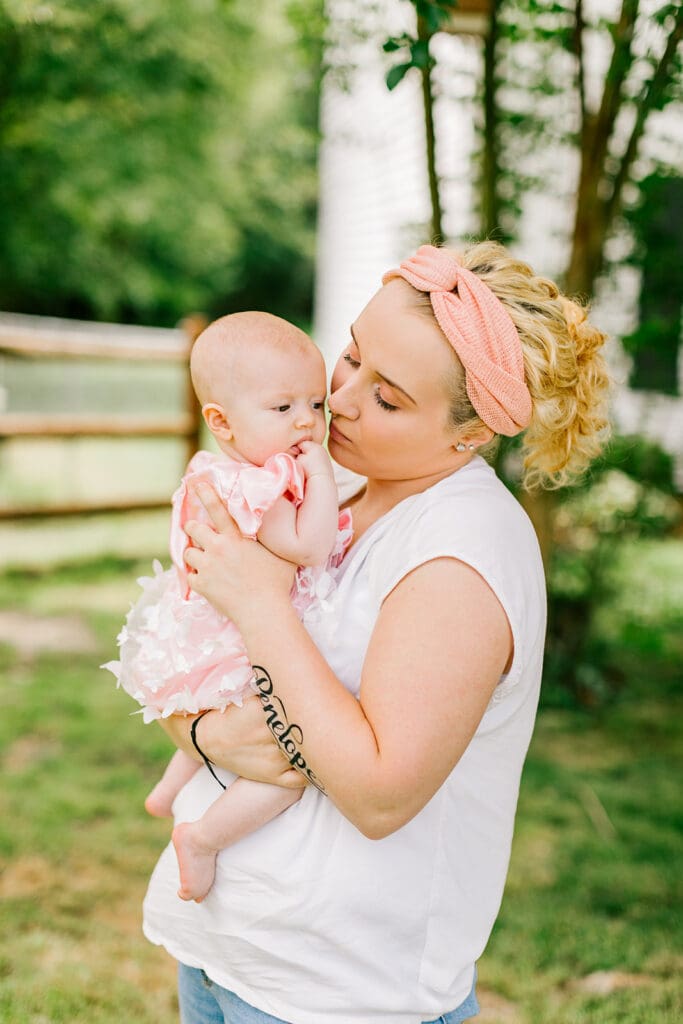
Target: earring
x=471, y=447
x=460, y=447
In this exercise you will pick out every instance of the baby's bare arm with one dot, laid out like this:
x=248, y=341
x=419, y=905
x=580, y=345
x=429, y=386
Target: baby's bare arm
x=305, y=535
x=278, y=531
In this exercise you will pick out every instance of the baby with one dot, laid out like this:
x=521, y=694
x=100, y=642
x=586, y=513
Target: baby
x=261, y=384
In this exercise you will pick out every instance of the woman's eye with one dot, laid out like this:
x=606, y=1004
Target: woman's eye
x=384, y=405
x=352, y=362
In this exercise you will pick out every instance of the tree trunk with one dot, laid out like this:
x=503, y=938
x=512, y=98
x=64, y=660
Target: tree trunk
x=436, y=223
x=490, y=207
x=588, y=244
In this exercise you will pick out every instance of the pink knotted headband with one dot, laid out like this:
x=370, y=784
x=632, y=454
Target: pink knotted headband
x=482, y=333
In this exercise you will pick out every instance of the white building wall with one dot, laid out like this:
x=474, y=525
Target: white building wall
x=372, y=175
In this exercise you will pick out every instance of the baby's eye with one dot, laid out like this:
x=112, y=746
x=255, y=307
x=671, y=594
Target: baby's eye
x=319, y=405
x=350, y=360
x=283, y=408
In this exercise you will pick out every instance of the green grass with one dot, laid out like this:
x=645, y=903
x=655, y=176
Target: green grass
x=75, y=845
x=595, y=881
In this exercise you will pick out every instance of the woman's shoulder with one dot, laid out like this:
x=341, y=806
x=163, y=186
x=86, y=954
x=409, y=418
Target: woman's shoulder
x=474, y=495
x=471, y=516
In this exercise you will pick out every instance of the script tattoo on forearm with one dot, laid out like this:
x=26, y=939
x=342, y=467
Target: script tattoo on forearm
x=289, y=736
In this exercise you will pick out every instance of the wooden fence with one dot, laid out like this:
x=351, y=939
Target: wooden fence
x=30, y=337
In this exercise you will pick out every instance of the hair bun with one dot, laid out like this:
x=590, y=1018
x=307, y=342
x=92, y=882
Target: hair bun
x=563, y=364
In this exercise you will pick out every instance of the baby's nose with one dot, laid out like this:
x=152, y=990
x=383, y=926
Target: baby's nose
x=305, y=416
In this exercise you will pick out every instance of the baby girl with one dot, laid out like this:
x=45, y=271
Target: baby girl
x=261, y=384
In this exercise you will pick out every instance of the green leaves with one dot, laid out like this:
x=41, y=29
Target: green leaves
x=143, y=148
x=418, y=57
x=397, y=74
x=435, y=15
x=431, y=18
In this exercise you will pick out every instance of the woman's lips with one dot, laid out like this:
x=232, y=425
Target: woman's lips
x=336, y=434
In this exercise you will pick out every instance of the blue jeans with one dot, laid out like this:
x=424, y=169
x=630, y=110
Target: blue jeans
x=202, y=1001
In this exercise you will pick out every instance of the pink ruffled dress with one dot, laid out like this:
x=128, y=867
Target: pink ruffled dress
x=177, y=653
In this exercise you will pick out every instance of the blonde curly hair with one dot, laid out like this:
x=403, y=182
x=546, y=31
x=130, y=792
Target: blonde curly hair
x=565, y=370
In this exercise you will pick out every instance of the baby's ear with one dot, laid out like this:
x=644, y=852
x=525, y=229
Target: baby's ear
x=216, y=421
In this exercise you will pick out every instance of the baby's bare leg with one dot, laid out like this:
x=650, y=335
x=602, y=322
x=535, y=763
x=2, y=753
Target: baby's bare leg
x=179, y=770
x=243, y=808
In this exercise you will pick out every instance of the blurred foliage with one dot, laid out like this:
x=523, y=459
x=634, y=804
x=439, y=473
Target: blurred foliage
x=157, y=158
x=581, y=85
x=413, y=49
x=629, y=494
x=657, y=227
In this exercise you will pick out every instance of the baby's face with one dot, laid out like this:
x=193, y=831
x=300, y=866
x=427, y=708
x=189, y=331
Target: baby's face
x=277, y=401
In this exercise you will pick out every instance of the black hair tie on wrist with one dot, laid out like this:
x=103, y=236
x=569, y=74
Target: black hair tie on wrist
x=193, y=737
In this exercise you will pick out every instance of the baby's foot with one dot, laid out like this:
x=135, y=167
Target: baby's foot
x=159, y=803
x=197, y=863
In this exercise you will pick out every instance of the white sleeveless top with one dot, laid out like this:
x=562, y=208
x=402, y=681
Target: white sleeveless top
x=310, y=921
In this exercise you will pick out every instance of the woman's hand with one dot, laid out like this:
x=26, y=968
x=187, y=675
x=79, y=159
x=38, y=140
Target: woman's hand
x=237, y=739
x=234, y=574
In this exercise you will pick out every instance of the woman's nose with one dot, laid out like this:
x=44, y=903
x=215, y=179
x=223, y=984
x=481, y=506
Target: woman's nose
x=341, y=401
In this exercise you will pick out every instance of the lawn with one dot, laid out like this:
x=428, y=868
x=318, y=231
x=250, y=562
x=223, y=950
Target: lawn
x=590, y=928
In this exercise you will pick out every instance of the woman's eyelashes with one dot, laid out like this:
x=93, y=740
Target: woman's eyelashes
x=354, y=363
x=381, y=402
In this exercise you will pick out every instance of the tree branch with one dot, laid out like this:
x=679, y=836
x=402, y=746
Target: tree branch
x=577, y=46
x=603, y=123
x=490, y=165
x=647, y=101
x=436, y=229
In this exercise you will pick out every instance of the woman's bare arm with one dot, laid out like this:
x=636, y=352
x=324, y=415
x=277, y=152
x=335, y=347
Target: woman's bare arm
x=439, y=647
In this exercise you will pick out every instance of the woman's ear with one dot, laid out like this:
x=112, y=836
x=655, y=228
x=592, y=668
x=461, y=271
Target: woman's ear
x=475, y=440
x=216, y=421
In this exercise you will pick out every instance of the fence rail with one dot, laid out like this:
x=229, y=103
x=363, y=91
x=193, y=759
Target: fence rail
x=38, y=338
x=32, y=425
x=57, y=337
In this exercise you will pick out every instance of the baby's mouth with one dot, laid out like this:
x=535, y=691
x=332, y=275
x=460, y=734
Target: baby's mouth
x=295, y=449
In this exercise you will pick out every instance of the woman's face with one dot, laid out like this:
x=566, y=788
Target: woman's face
x=389, y=398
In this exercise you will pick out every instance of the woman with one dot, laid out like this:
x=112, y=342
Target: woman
x=370, y=901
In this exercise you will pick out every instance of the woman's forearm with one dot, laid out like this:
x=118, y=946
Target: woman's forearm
x=318, y=725
x=427, y=679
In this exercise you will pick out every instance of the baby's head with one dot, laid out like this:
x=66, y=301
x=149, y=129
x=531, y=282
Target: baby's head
x=261, y=384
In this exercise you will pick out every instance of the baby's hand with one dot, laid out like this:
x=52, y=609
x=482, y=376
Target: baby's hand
x=314, y=460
